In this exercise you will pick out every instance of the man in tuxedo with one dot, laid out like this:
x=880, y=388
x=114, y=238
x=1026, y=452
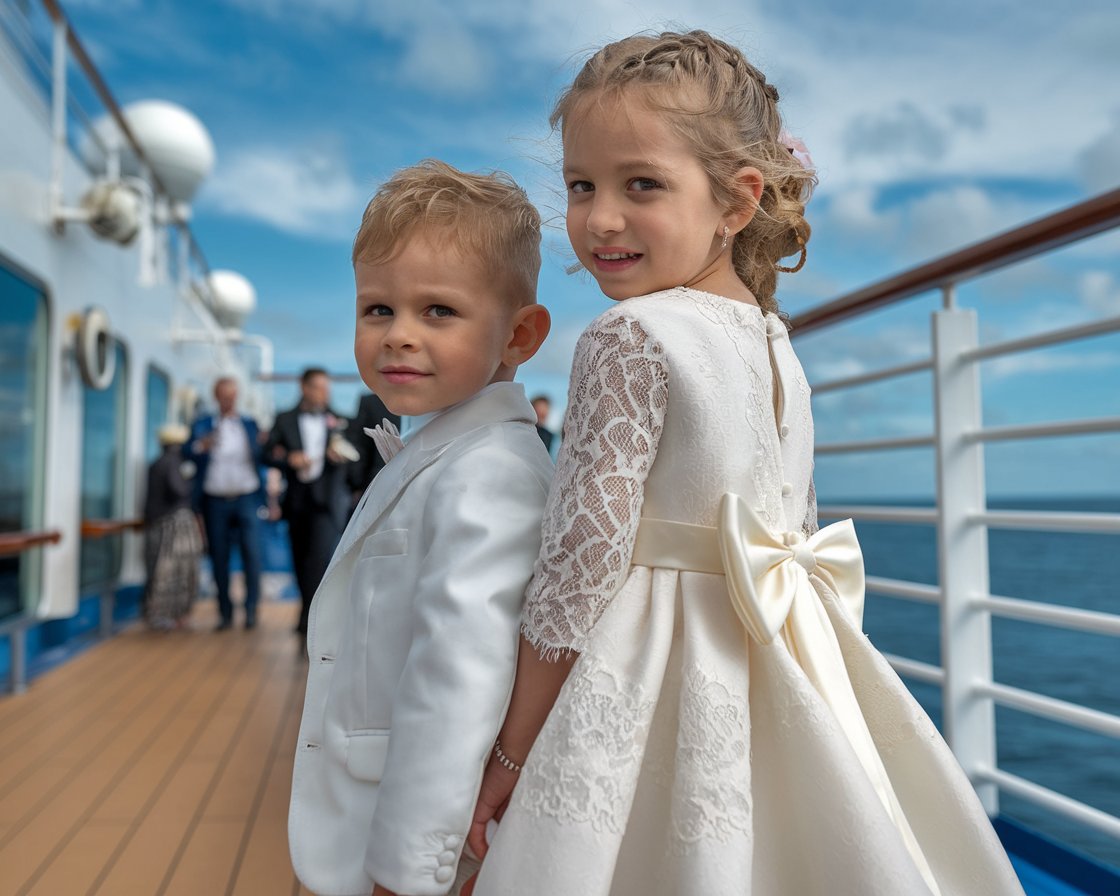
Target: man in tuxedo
x=371, y=412
x=228, y=493
x=542, y=405
x=316, y=501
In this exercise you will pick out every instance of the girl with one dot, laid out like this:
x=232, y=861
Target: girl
x=703, y=712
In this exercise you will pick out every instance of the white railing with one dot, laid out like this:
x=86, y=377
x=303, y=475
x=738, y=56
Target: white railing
x=57, y=59
x=969, y=694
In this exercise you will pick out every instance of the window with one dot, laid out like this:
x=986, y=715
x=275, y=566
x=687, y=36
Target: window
x=23, y=379
x=104, y=427
x=159, y=404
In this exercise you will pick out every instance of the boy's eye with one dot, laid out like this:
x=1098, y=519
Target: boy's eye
x=379, y=311
x=580, y=186
x=642, y=184
x=441, y=311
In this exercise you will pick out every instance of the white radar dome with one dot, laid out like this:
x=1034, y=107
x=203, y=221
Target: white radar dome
x=176, y=144
x=234, y=298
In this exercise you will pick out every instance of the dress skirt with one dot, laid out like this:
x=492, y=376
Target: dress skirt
x=172, y=548
x=683, y=758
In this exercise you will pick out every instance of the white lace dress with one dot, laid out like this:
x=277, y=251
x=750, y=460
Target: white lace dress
x=682, y=756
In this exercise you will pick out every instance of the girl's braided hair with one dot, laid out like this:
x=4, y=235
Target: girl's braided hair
x=728, y=113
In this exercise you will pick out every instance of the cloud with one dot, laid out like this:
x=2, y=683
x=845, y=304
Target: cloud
x=949, y=218
x=901, y=131
x=1099, y=291
x=446, y=60
x=1051, y=362
x=854, y=212
x=308, y=193
x=1099, y=162
x=861, y=349
x=922, y=223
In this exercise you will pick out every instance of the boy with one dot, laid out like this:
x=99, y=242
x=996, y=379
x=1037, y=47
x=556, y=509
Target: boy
x=413, y=632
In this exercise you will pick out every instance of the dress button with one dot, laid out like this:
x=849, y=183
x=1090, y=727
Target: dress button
x=787, y=489
x=784, y=430
x=444, y=873
x=447, y=857
x=451, y=842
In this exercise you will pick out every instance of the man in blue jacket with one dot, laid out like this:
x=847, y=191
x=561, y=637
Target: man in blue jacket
x=228, y=493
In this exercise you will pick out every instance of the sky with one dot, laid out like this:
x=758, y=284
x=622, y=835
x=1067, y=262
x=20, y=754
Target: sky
x=932, y=125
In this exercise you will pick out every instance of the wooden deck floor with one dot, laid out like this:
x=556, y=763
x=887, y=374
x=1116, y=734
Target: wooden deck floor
x=155, y=764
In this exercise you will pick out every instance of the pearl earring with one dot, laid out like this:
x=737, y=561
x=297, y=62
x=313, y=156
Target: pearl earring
x=726, y=235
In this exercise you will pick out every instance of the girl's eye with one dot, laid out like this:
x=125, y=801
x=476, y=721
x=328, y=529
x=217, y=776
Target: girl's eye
x=642, y=184
x=379, y=311
x=580, y=186
x=441, y=311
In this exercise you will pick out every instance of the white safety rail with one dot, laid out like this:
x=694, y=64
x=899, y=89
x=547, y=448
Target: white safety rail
x=966, y=606
x=78, y=95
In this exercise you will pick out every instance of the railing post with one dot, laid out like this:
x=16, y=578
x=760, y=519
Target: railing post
x=58, y=121
x=17, y=638
x=966, y=646
x=108, y=600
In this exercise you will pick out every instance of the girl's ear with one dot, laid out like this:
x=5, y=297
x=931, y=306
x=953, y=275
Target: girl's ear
x=746, y=187
x=529, y=327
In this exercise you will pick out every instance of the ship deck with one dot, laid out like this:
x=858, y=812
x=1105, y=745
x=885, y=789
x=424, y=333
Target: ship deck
x=159, y=764
x=156, y=764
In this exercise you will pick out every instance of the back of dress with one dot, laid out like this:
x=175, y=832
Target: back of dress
x=737, y=417
x=676, y=399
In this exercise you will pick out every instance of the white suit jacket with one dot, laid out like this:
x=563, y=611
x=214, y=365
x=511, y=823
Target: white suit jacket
x=412, y=643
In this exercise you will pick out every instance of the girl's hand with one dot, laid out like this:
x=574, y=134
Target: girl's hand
x=493, y=798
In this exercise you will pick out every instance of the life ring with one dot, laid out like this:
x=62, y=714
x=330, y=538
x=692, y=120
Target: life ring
x=97, y=357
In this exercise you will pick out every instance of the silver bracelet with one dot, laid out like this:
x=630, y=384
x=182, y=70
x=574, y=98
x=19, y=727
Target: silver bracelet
x=505, y=761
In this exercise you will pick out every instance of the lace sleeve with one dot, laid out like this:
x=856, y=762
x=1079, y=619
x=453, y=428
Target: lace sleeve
x=616, y=407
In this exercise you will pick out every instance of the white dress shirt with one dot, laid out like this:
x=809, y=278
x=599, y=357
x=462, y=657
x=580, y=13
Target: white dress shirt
x=313, y=434
x=230, y=472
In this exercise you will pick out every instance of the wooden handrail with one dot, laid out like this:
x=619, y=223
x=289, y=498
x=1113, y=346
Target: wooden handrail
x=12, y=543
x=102, y=528
x=1059, y=229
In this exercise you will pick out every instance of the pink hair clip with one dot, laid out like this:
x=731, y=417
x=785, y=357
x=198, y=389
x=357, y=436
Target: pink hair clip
x=797, y=149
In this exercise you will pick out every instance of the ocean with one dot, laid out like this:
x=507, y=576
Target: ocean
x=1060, y=568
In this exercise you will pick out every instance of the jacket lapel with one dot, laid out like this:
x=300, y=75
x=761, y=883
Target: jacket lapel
x=499, y=403
x=292, y=436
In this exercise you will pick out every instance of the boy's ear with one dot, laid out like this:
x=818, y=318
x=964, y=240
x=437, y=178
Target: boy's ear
x=529, y=327
x=747, y=189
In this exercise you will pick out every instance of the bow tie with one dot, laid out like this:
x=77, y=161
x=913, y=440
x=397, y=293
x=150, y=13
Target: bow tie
x=387, y=439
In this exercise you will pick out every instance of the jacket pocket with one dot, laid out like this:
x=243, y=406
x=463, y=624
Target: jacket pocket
x=365, y=754
x=386, y=543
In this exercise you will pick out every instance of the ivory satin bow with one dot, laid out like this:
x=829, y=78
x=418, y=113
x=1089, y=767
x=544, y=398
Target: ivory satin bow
x=766, y=572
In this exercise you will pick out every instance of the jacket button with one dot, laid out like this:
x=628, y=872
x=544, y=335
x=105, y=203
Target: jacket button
x=451, y=842
x=784, y=430
x=787, y=489
x=444, y=873
x=447, y=857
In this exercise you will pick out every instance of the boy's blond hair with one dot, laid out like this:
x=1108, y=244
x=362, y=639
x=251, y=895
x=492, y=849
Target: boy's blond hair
x=487, y=215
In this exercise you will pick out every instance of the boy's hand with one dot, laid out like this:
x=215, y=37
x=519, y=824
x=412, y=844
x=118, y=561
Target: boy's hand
x=493, y=797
